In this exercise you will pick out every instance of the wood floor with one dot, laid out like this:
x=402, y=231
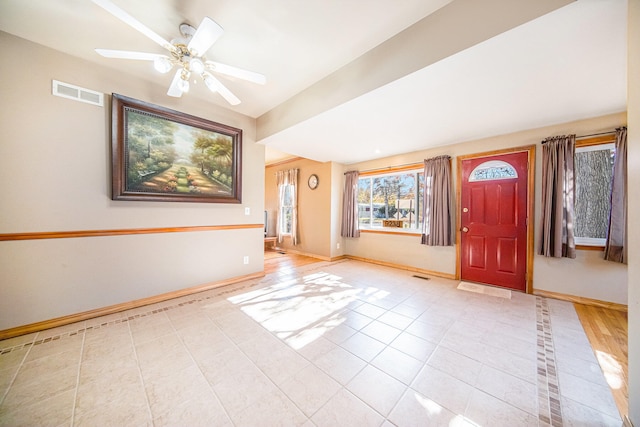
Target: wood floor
x=606, y=329
x=275, y=261
x=607, y=332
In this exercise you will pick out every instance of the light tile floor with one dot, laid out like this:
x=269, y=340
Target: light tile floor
x=326, y=344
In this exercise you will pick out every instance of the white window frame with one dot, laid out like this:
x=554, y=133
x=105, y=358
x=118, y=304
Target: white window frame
x=591, y=241
x=417, y=230
x=282, y=221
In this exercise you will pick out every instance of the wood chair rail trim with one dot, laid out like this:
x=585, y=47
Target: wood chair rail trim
x=120, y=232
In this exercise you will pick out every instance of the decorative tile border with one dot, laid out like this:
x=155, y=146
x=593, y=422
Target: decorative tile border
x=549, y=411
x=203, y=296
x=126, y=319
x=92, y=327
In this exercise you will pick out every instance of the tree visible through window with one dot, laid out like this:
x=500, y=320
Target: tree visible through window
x=286, y=210
x=593, y=176
x=391, y=200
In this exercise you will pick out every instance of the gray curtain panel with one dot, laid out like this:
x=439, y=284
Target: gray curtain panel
x=558, y=194
x=350, y=226
x=616, y=247
x=437, y=201
x=284, y=178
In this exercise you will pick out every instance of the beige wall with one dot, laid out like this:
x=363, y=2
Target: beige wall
x=588, y=275
x=314, y=206
x=633, y=111
x=55, y=156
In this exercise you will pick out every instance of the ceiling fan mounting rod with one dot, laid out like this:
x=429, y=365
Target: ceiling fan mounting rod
x=184, y=58
x=182, y=54
x=187, y=30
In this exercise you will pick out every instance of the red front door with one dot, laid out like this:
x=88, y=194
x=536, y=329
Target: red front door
x=493, y=236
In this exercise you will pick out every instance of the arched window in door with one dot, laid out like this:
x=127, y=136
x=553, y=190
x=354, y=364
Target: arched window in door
x=491, y=170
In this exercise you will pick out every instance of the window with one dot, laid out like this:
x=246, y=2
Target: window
x=286, y=210
x=593, y=176
x=391, y=201
x=492, y=170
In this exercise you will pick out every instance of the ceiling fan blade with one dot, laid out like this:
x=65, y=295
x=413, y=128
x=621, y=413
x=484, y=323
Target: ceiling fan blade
x=239, y=73
x=207, y=33
x=127, y=54
x=216, y=86
x=133, y=22
x=174, y=89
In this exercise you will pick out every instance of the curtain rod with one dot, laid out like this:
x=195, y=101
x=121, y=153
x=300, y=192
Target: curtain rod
x=613, y=132
x=416, y=164
x=390, y=167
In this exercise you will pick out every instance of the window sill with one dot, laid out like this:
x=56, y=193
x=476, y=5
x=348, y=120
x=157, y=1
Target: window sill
x=589, y=248
x=391, y=231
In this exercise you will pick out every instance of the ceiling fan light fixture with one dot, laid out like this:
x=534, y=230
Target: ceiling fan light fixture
x=162, y=64
x=210, y=82
x=183, y=83
x=196, y=65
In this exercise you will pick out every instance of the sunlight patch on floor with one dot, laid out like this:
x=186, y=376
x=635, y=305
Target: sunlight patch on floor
x=258, y=293
x=375, y=294
x=611, y=368
x=462, y=421
x=433, y=409
x=299, y=312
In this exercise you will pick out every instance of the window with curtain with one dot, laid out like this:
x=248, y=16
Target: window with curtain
x=391, y=201
x=584, y=195
x=287, y=221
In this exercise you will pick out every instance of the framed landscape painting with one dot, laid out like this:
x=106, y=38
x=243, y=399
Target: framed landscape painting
x=164, y=155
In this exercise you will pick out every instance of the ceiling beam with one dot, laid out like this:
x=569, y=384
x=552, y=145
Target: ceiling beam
x=455, y=27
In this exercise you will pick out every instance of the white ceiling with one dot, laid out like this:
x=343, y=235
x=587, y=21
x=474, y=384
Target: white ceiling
x=567, y=65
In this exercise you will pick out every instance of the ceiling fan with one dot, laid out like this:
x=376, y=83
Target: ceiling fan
x=186, y=53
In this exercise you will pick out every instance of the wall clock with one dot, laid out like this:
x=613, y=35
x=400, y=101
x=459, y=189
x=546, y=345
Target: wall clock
x=313, y=181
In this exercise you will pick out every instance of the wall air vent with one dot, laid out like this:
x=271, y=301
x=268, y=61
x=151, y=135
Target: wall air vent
x=66, y=90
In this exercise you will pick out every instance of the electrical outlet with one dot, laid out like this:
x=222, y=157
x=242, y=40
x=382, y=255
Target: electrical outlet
x=246, y=259
x=338, y=246
x=247, y=211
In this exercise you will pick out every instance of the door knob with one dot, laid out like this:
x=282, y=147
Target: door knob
x=465, y=229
